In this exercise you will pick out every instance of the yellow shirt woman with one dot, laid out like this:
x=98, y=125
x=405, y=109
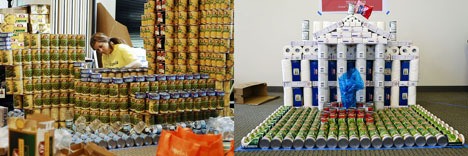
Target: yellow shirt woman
x=120, y=57
x=115, y=53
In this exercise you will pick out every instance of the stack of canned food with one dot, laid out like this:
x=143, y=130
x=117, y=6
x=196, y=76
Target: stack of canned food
x=361, y=127
x=109, y=93
x=42, y=73
x=433, y=123
x=121, y=139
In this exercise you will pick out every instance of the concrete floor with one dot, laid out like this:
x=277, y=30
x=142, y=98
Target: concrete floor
x=451, y=107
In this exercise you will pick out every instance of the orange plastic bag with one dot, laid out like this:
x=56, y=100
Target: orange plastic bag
x=184, y=142
x=231, y=150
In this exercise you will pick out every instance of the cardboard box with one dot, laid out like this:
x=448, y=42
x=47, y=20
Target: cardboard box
x=38, y=19
x=85, y=150
x=109, y=26
x=254, y=93
x=31, y=136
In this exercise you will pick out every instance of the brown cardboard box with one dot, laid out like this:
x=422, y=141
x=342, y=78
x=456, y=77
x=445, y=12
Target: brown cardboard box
x=90, y=149
x=109, y=26
x=254, y=93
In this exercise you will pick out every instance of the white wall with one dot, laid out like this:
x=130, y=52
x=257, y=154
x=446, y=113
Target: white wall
x=439, y=28
x=109, y=5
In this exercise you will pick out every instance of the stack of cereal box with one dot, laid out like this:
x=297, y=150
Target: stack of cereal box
x=39, y=19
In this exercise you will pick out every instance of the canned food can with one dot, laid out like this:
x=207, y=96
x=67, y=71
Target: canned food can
x=47, y=85
x=17, y=56
x=80, y=41
x=55, y=98
x=123, y=103
x=114, y=116
x=26, y=56
x=64, y=97
x=37, y=70
x=54, y=113
x=46, y=70
x=54, y=41
x=93, y=115
x=72, y=57
x=54, y=69
x=71, y=41
x=37, y=85
x=63, y=41
x=54, y=55
x=104, y=116
x=45, y=41
x=80, y=55
x=28, y=101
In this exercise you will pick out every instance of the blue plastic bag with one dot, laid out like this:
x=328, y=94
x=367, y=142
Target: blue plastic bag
x=350, y=82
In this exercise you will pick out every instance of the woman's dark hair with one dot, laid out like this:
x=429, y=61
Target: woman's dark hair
x=101, y=37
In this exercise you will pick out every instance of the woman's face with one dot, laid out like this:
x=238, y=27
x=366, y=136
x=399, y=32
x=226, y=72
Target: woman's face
x=102, y=47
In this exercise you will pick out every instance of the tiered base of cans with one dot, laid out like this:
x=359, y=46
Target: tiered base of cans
x=107, y=94
x=337, y=127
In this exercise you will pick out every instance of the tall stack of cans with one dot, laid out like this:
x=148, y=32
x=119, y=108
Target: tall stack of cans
x=43, y=73
x=216, y=44
x=182, y=33
x=152, y=31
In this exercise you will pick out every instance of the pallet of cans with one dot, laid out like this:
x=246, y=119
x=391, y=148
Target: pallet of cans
x=337, y=127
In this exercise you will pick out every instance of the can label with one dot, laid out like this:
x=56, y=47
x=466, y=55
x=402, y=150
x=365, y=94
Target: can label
x=103, y=89
x=80, y=55
x=37, y=85
x=45, y=55
x=37, y=70
x=46, y=71
x=144, y=86
x=114, y=116
x=46, y=85
x=71, y=41
x=123, y=90
x=45, y=41
x=26, y=56
x=37, y=97
x=63, y=41
x=93, y=115
x=104, y=116
x=17, y=54
x=55, y=83
x=103, y=102
x=28, y=101
x=55, y=69
x=63, y=98
x=55, y=98
x=46, y=99
x=86, y=114
x=134, y=87
x=123, y=103
x=54, y=41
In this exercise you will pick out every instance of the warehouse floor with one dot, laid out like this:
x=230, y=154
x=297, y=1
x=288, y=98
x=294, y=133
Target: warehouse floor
x=451, y=107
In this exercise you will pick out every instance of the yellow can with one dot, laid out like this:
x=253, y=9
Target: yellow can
x=64, y=71
x=54, y=55
x=54, y=113
x=80, y=55
x=36, y=56
x=27, y=41
x=193, y=5
x=181, y=45
x=55, y=84
x=18, y=69
x=45, y=111
x=46, y=70
x=7, y=57
x=54, y=41
x=45, y=41
x=193, y=32
x=63, y=98
x=35, y=41
x=192, y=45
x=63, y=56
x=104, y=116
x=18, y=86
x=182, y=18
x=81, y=41
x=26, y=56
x=63, y=41
x=17, y=56
x=28, y=101
x=62, y=113
x=71, y=41
x=55, y=98
x=46, y=99
x=114, y=116
x=17, y=101
x=28, y=86
x=72, y=55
